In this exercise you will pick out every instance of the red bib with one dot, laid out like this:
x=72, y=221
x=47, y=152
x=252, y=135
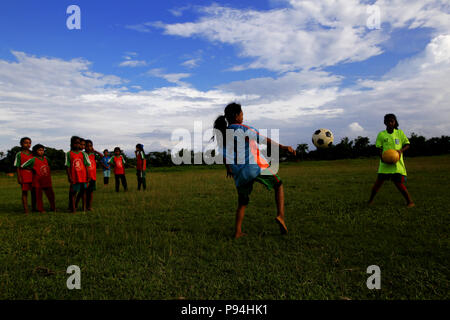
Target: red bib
x=92, y=170
x=26, y=174
x=77, y=167
x=41, y=178
x=118, y=165
x=141, y=164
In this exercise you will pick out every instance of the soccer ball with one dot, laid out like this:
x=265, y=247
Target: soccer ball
x=390, y=156
x=322, y=138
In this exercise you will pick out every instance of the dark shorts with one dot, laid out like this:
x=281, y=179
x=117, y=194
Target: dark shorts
x=270, y=181
x=26, y=186
x=394, y=177
x=92, y=186
x=77, y=187
x=140, y=173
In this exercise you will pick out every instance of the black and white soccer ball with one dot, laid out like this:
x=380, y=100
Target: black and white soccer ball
x=322, y=138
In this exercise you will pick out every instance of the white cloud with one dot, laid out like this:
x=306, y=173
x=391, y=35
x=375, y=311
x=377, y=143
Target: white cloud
x=308, y=34
x=133, y=63
x=50, y=99
x=170, y=77
x=305, y=35
x=416, y=90
x=191, y=63
x=355, y=127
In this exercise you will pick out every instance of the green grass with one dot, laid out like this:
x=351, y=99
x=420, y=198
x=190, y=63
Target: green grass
x=175, y=240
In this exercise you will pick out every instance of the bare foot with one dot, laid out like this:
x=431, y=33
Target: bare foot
x=410, y=205
x=369, y=203
x=240, y=234
x=282, y=224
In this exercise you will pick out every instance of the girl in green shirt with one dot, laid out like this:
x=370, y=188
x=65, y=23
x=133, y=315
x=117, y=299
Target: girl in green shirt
x=392, y=138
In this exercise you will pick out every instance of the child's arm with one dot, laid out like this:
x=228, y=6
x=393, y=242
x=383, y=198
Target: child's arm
x=67, y=163
x=17, y=165
x=405, y=147
x=103, y=164
x=68, y=175
x=19, y=178
x=381, y=154
x=87, y=164
x=98, y=153
x=288, y=148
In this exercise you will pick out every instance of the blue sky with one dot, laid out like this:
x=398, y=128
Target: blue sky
x=139, y=70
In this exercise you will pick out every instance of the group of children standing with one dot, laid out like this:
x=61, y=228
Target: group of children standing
x=33, y=173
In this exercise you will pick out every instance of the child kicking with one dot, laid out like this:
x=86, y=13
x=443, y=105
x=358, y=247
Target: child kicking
x=254, y=168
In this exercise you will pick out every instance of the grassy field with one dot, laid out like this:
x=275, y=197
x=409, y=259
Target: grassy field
x=174, y=241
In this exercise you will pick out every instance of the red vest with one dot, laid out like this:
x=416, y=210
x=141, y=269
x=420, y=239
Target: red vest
x=141, y=163
x=41, y=177
x=26, y=174
x=118, y=165
x=93, y=168
x=77, y=167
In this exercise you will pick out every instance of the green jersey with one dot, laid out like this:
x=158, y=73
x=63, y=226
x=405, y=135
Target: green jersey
x=395, y=140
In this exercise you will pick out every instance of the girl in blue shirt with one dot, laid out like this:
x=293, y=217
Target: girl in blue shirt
x=245, y=163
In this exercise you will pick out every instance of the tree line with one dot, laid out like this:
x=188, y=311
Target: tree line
x=360, y=147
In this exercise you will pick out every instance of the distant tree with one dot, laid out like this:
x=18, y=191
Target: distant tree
x=56, y=158
x=160, y=159
x=301, y=150
x=7, y=163
x=418, y=145
x=361, y=146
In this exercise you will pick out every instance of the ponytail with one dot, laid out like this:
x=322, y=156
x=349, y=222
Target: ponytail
x=221, y=124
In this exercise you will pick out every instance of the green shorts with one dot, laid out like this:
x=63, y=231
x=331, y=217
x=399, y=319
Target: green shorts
x=77, y=187
x=92, y=186
x=271, y=181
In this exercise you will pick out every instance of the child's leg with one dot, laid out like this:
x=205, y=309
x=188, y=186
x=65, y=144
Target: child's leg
x=33, y=199
x=25, y=200
x=70, y=207
x=116, y=177
x=73, y=196
x=83, y=197
x=89, y=197
x=240, y=212
x=79, y=196
x=39, y=202
x=144, y=183
x=139, y=179
x=377, y=185
x=402, y=188
x=279, y=198
x=124, y=182
x=51, y=197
